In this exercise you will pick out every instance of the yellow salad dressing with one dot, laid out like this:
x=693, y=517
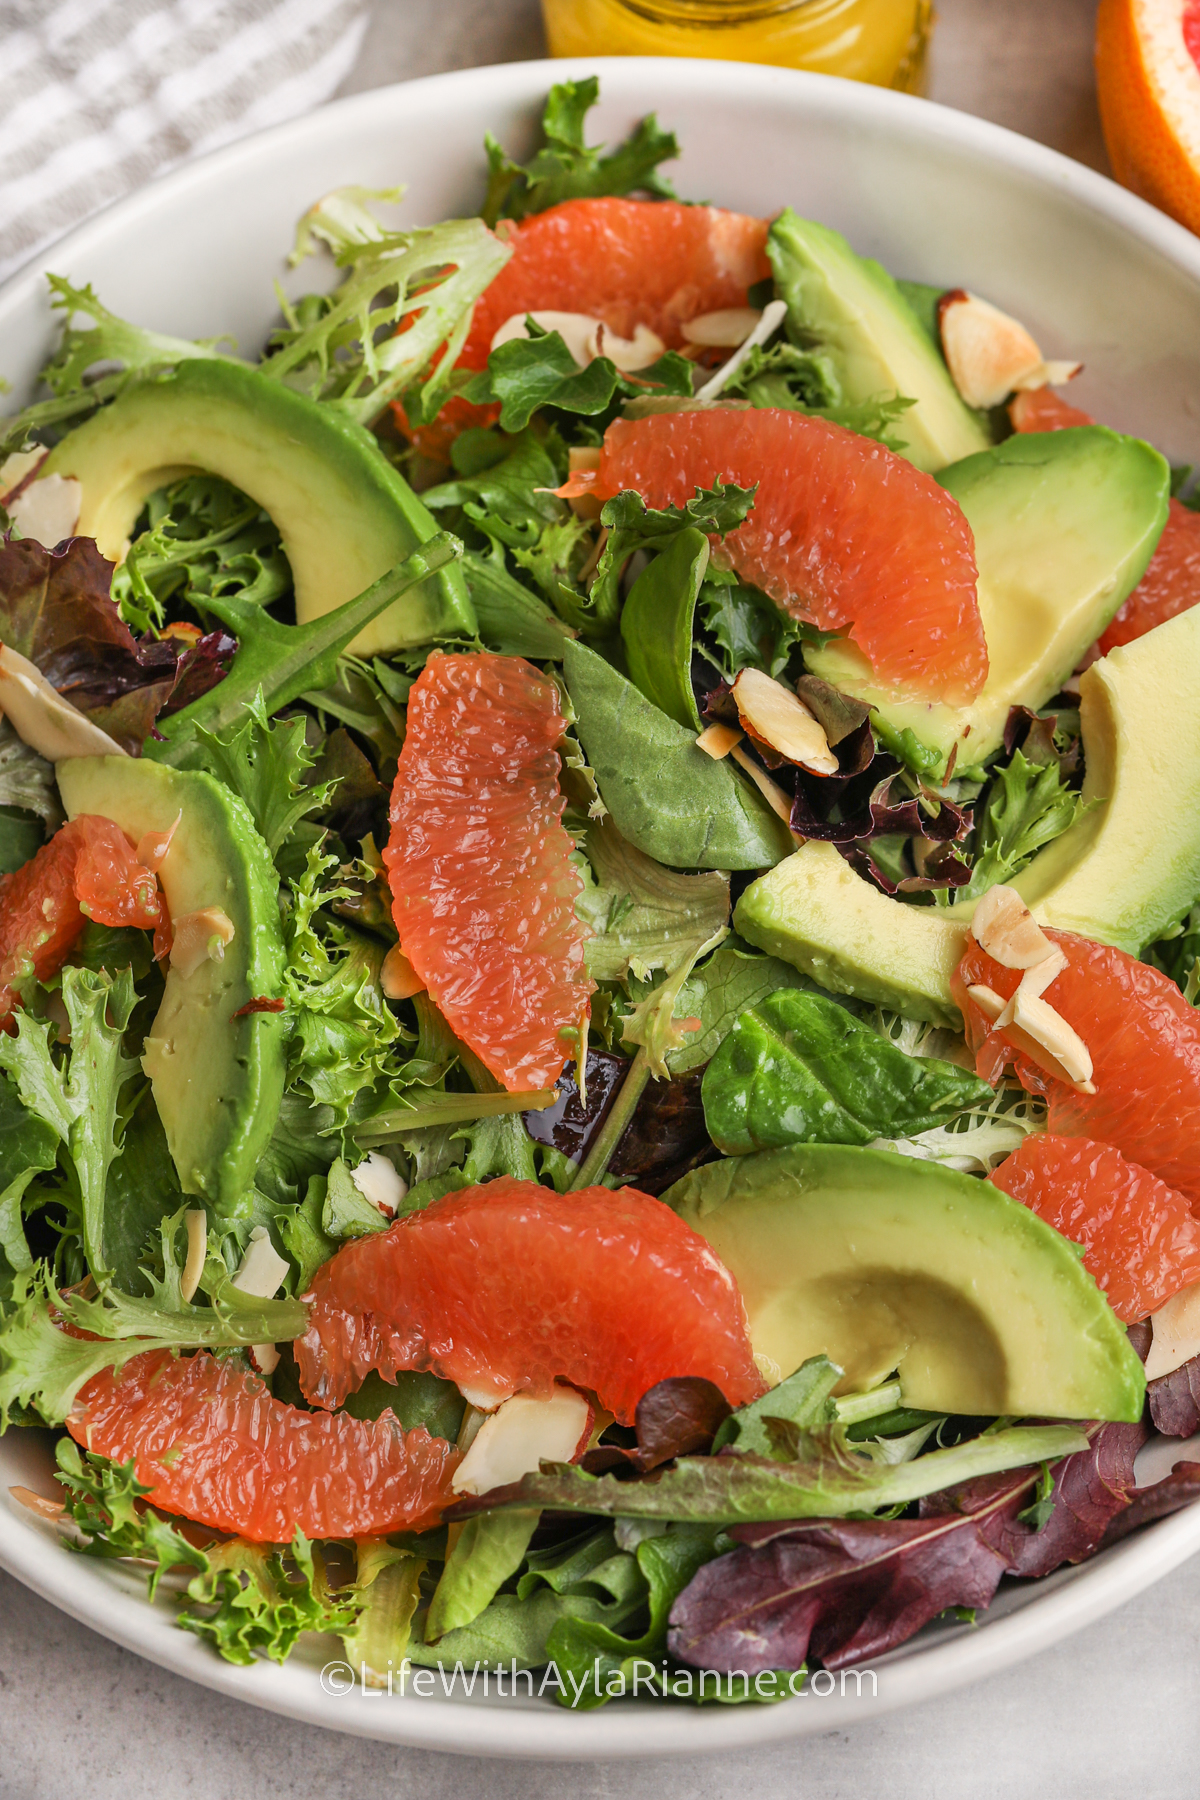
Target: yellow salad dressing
x=882, y=41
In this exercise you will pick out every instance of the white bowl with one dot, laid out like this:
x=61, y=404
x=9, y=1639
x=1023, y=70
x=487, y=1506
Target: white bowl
x=937, y=196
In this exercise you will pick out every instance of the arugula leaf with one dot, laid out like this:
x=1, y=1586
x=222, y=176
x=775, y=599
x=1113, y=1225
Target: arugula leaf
x=264, y=765
x=405, y=296
x=827, y=1480
x=263, y=1599
x=799, y=1068
x=203, y=537
x=511, y=619
x=566, y=168
x=284, y=661
x=632, y=525
x=1026, y=806
x=748, y=629
x=78, y=1100
x=527, y=373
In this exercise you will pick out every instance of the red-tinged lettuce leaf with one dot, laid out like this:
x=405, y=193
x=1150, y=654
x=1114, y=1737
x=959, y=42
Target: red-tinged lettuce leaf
x=846, y=1590
x=828, y=1479
x=1173, y=1492
x=676, y=1417
x=1174, y=1399
x=55, y=609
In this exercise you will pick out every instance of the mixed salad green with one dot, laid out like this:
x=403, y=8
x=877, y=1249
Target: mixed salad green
x=773, y=1042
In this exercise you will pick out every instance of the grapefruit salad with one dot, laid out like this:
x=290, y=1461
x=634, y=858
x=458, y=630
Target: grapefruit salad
x=599, y=947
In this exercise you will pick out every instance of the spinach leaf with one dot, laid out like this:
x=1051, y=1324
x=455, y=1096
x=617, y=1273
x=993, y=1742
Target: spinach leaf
x=799, y=1068
x=567, y=168
x=511, y=619
x=657, y=624
x=415, y=1396
x=666, y=797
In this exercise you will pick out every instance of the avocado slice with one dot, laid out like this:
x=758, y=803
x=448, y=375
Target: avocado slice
x=344, y=513
x=882, y=1262
x=217, y=1080
x=1065, y=523
x=861, y=320
x=1122, y=874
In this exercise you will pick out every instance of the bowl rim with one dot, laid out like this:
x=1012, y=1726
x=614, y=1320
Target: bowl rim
x=1066, y=1603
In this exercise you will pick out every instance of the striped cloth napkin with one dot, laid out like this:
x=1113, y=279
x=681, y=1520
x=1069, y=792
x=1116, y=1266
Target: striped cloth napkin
x=97, y=96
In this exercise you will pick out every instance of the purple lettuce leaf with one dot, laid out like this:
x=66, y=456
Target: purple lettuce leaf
x=55, y=609
x=1174, y=1491
x=1174, y=1399
x=842, y=1590
x=676, y=1417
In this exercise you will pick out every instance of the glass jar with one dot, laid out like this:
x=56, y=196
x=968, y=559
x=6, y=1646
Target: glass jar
x=882, y=41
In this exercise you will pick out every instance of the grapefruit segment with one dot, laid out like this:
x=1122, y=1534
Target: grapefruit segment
x=511, y=1288
x=1140, y=1239
x=843, y=534
x=212, y=1443
x=1171, y=583
x=88, y=870
x=1148, y=86
x=626, y=262
x=1144, y=1041
x=483, y=886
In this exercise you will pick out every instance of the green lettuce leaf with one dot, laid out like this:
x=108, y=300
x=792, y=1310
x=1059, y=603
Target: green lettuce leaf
x=567, y=168
x=798, y=1068
x=387, y=1590
x=254, y=1600
x=718, y=991
x=486, y=1552
x=204, y=537
x=264, y=764
x=28, y=1148
x=632, y=526
x=1027, y=805
x=643, y=916
x=78, y=1097
x=827, y=1479
x=103, y=1502
x=537, y=370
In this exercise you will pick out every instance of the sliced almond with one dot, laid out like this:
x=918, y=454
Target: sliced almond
x=379, y=1181
x=200, y=937
x=50, y=1510
x=723, y=330
x=41, y=717
x=262, y=1272
x=1004, y=927
x=397, y=977
x=771, y=792
x=1035, y=981
x=991, y=1004
x=1176, y=1332
x=587, y=337
x=522, y=1434
x=1048, y=374
x=17, y=468
x=779, y=719
x=990, y=354
x=1041, y=1026
x=48, y=509
x=197, y=1234
x=718, y=740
